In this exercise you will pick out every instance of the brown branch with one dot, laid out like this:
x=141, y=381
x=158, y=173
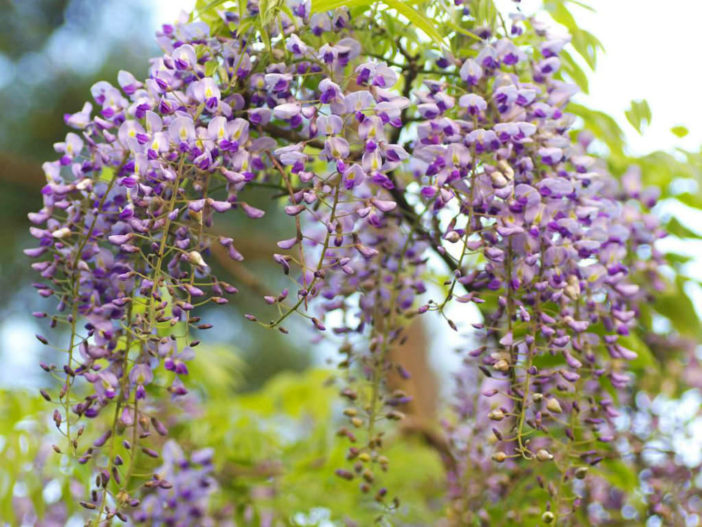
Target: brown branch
x=17, y=171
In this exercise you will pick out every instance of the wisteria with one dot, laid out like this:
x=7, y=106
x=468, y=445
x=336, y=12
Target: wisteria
x=386, y=167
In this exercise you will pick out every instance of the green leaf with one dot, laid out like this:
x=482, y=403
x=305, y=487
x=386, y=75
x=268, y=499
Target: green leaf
x=485, y=13
x=575, y=72
x=583, y=5
x=329, y=5
x=675, y=258
x=677, y=307
x=638, y=114
x=679, y=131
x=587, y=45
x=676, y=228
x=202, y=7
x=464, y=31
x=690, y=199
x=602, y=125
x=645, y=357
x=416, y=18
x=619, y=474
x=560, y=14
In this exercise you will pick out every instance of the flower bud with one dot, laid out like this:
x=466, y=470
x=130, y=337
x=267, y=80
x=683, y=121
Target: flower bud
x=195, y=258
x=499, y=456
x=344, y=474
x=496, y=415
x=501, y=365
x=572, y=290
x=452, y=236
x=548, y=517
x=395, y=415
x=544, y=455
x=554, y=406
x=63, y=232
x=498, y=179
x=506, y=169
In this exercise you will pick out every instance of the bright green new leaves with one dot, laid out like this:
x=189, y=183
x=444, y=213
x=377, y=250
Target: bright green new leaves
x=414, y=16
x=639, y=114
x=679, y=131
x=584, y=42
x=319, y=6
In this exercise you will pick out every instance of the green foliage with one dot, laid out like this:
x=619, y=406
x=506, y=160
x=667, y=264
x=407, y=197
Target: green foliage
x=639, y=114
x=679, y=131
x=418, y=19
x=280, y=443
x=25, y=439
x=584, y=42
x=676, y=306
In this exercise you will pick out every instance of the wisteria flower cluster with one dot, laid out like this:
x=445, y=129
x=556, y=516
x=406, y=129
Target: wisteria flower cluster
x=383, y=164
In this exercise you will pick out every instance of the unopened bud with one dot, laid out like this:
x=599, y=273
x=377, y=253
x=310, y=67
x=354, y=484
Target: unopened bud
x=506, y=169
x=572, y=290
x=344, y=474
x=548, y=517
x=544, y=455
x=395, y=415
x=554, y=406
x=452, y=236
x=195, y=258
x=499, y=457
x=61, y=233
x=496, y=415
x=498, y=179
x=501, y=365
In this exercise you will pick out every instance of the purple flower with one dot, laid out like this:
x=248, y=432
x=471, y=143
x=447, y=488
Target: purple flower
x=474, y=103
x=471, y=72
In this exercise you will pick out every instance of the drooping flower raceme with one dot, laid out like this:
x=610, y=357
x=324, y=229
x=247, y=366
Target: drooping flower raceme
x=474, y=163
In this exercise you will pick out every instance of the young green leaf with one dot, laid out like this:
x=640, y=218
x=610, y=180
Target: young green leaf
x=679, y=131
x=418, y=19
x=639, y=114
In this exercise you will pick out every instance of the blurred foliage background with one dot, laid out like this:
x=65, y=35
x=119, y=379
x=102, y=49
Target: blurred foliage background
x=266, y=399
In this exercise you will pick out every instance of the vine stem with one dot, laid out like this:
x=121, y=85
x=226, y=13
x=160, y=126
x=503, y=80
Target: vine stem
x=320, y=263
x=377, y=369
x=75, y=288
x=149, y=323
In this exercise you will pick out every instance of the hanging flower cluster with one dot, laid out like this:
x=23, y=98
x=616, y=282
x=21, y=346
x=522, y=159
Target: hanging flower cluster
x=470, y=158
x=183, y=486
